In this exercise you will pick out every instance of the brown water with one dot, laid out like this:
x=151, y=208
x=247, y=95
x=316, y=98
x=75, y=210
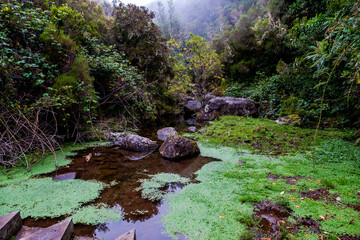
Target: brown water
x=109, y=164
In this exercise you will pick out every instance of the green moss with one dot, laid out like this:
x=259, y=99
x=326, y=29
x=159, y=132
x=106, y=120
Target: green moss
x=221, y=205
x=264, y=135
x=46, y=165
x=153, y=188
x=40, y=198
x=97, y=214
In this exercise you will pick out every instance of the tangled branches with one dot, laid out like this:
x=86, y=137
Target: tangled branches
x=24, y=135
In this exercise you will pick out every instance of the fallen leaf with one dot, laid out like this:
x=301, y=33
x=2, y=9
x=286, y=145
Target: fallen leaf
x=274, y=183
x=311, y=190
x=306, y=235
x=88, y=157
x=352, y=221
x=292, y=198
x=282, y=192
x=302, y=198
x=222, y=216
x=296, y=206
x=322, y=217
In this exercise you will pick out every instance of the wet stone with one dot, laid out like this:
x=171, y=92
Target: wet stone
x=60, y=231
x=10, y=224
x=163, y=133
x=130, y=235
x=65, y=176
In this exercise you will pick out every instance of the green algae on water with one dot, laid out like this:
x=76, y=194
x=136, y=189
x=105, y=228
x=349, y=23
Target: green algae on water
x=96, y=214
x=44, y=197
x=152, y=188
x=221, y=206
x=46, y=165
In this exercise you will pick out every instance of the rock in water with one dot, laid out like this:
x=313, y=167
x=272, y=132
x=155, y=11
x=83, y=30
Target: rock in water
x=132, y=142
x=130, y=235
x=162, y=134
x=177, y=147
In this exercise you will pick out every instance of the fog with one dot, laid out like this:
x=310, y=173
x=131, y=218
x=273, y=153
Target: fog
x=207, y=18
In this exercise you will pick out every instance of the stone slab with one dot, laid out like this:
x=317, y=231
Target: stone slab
x=60, y=231
x=10, y=224
x=130, y=235
x=64, y=177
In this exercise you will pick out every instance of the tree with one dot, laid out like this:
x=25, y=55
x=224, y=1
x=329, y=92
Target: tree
x=205, y=63
x=135, y=34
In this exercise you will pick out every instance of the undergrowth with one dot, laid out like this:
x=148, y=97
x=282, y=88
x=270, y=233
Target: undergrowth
x=221, y=206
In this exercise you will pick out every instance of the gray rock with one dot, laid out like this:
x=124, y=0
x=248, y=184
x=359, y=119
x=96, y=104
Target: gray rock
x=202, y=130
x=132, y=142
x=226, y=106
x=60, y=231
x=64, y=177
x=162, y=134
x=191, y=122
x=193, y=105
x=130, y=235
x=192, y=129
x=10, y=224
x=178, y=147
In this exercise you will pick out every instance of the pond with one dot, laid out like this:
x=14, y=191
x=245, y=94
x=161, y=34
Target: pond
x=123, y=170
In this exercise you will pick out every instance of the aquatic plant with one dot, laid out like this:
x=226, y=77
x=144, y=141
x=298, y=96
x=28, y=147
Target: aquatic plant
x=96, y=214
x=46, y=165
x=44, y=197
x=153, y=188
x=221, y=206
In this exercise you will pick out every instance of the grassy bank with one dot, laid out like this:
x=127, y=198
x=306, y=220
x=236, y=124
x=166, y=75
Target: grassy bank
x=308, y=194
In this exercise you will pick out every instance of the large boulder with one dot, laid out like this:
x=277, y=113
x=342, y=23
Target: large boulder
x=177, y=147
x=220, y=106
x=132, y=142
x=163, y=133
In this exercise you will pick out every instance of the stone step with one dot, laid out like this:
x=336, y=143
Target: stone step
x=10, y=225
x=130, y=235
x=61, y=231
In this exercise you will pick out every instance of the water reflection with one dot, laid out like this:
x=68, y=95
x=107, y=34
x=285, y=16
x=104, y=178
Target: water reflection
x=114, y=167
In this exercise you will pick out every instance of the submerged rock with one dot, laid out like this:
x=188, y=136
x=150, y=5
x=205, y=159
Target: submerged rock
x=163, y=133
x=178, y=147
x=64, y=177
x=132, y=142
x=226, y=106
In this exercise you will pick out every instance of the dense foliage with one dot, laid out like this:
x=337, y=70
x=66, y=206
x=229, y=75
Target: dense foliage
x=295, y=57
x=65, y=65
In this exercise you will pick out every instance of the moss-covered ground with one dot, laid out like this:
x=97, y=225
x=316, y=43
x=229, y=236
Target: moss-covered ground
x=46, y=198
x=222, y=204
x=265, y=136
